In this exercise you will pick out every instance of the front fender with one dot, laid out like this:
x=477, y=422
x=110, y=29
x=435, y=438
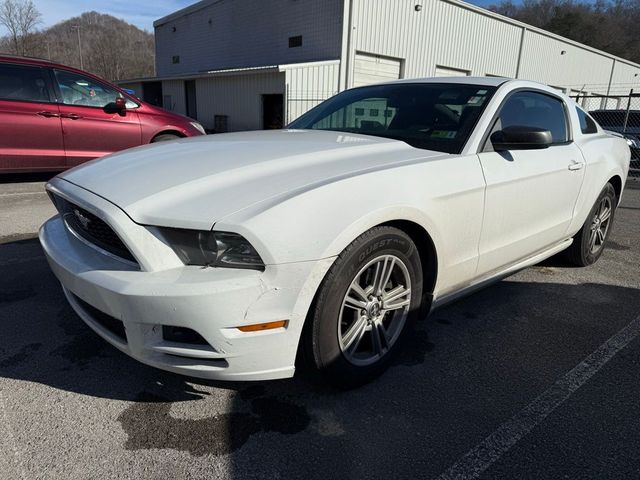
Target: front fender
x=321, y=222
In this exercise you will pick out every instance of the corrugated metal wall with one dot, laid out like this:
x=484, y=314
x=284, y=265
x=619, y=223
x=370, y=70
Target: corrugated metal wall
x=230, y=34
x=239, y=97
x=624, y=78
x=308, y=85
x=453, y=35
x=543, y=61
x=173, y=96
x=440, y=34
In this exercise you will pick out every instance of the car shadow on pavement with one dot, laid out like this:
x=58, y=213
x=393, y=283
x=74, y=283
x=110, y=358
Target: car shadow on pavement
x=27, y=177
x=503, y=345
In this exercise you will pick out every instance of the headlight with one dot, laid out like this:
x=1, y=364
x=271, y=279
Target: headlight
x=213, y=249
x=632, y=142
x=198, y=127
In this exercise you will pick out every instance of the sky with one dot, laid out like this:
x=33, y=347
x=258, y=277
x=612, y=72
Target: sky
x=141, y=13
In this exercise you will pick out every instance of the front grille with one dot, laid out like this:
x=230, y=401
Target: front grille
x=110, y=323
x=93, y=229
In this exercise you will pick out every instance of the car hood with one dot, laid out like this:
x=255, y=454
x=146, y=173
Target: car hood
x=192, y=183
x=150, y=109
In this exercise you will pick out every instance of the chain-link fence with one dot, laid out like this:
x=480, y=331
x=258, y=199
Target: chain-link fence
x=301, y=101
x=619, y=114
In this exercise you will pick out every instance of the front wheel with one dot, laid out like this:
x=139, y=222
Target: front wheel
x=589, y=242
x=364, y=307
x=165, y=137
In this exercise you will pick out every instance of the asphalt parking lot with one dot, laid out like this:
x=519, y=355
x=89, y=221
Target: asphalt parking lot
x=535, y=377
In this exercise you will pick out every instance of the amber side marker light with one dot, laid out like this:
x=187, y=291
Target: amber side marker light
x=258, y=327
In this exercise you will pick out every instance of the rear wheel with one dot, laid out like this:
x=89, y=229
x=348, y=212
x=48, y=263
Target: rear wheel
x=589, y=242
x=165, y=137
x=364, y=307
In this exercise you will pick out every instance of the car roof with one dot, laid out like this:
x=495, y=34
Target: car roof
x=496, y=82
x=41, y=62
x=488, y=81
x=30, y=60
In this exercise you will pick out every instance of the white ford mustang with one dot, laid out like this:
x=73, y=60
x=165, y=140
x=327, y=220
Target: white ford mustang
x=222, y=257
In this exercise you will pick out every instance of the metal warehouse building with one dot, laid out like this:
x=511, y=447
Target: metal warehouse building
x=253, y=64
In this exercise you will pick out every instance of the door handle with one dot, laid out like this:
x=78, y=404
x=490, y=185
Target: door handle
x=48, y=114
x=576, y=165
x=71, y=116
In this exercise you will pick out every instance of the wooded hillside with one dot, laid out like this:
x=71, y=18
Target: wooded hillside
x=111, y=48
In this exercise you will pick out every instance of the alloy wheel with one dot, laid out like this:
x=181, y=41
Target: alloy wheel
x=374, y=310
x=600, y=225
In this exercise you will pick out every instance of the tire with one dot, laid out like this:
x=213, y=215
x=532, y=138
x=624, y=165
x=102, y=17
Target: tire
x=165, y=137
x=351, y=345
x=588, y=244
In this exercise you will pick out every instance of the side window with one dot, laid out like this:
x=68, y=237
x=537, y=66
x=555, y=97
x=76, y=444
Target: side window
x=587, y=125
x=84, y=91
x=18, y=82
x=531, y=109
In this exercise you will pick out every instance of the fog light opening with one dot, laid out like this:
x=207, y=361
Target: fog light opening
x=182, y=335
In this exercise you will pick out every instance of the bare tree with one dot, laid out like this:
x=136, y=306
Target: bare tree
x=20, y=17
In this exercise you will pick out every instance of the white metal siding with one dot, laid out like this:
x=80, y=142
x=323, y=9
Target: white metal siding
x=543, y=61
x=370, y=68
x=308, y=85
x=624, y=78
x=237, y=96
x=231, y=34
x=450, y=72
x=173, y=91
x=446, y=36
x=447, y=33
x=440, y=34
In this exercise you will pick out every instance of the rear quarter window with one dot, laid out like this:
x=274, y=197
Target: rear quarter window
x=587, y=125
x=23, y=83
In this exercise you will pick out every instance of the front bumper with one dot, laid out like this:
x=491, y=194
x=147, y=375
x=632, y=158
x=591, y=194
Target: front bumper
x=213, y=302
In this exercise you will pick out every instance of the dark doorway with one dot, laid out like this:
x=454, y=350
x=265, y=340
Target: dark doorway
x=190, y=99
x=272, y=111
x=152, y=93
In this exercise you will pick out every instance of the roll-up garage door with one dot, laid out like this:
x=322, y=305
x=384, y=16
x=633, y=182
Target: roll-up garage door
x=450, y=72
x=370, y=69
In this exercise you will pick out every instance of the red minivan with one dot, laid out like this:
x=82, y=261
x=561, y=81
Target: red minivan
x=53, y=117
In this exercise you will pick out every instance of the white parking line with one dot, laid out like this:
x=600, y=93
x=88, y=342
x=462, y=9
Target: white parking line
x=16, y=194
x=483, y=455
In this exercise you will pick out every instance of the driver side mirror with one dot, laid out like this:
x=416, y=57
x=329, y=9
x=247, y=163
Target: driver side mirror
x=119, y=106
x=521, y=138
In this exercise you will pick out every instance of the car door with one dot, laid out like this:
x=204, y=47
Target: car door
x=31, y=137
x=91, y=124
x=530, y=194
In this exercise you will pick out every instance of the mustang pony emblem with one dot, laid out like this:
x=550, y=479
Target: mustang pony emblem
x=84, y=221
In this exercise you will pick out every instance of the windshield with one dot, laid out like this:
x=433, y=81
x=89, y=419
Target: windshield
x=433, y=116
